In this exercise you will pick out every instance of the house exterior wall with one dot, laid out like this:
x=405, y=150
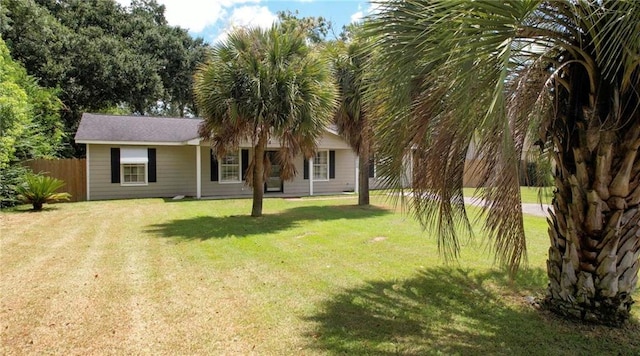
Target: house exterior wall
x=331, y=141
x=345, y=175
x=176, y=174
x=327, y=141
x=299, y=185
x=376, y=182
x=216, y=188
x=343, y=181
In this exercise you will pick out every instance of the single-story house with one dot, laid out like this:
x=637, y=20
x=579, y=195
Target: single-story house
x=139, y=157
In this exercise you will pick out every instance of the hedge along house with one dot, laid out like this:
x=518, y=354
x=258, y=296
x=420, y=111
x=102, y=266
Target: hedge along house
x=144, y=157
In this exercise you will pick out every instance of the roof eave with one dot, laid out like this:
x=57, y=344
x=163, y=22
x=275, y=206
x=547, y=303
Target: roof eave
x=134, y=143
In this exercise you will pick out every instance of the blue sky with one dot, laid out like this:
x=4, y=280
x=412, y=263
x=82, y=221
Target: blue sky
x=213, y=19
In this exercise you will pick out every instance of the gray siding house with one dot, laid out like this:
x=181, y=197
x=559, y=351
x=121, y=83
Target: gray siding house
x=140, y=157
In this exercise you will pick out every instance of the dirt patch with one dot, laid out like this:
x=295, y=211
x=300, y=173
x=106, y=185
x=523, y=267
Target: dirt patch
x=304, y=235
x=377, y=239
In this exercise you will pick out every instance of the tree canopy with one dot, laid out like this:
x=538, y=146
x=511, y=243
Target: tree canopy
x=349, y=59
x=29, y=122
x=347, y=55
x=104, y=56
x=315, y=28
x=261, y=84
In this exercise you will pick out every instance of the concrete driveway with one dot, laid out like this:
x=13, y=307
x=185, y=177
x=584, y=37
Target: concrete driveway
x=527, y=208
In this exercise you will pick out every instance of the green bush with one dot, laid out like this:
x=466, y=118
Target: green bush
x=536, y=174
x=38, y=189
x=10, y=178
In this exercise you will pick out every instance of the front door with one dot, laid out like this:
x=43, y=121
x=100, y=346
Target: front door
x=274, y=182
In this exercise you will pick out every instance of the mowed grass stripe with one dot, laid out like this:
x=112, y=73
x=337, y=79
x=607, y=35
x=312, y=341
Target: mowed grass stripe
x=314, y=276
x=183, y=307
x=38, y=266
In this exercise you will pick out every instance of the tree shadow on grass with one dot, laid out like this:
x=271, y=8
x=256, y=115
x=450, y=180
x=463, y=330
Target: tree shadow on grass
x=25, y=208
x=454, y=311
x=216, y=227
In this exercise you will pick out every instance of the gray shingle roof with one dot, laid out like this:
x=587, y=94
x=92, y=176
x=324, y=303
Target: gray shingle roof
x=113, y=128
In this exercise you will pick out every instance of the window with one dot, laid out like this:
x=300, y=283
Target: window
x=230, y=168
x=321, y=166
x=133, y=174
x=134, y=163
x=321, y=160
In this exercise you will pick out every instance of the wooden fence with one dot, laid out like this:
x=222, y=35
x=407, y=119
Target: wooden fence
x=72, y=171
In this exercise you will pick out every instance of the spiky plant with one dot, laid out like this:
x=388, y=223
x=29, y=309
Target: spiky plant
x=40, y=189
x=564, y=73
x=260, y=84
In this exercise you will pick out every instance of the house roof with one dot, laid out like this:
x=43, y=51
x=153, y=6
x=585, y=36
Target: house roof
x=114, y=128
x=102, y=129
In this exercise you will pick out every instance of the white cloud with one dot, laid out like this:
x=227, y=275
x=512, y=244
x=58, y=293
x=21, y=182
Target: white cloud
x=357, y=16
x=374, y=8
x=248, y=16
x=259, y=16
x=360, y=14
x=195, y=15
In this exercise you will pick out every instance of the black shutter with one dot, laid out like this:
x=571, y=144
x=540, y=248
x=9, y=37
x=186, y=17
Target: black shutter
x=332, y=164
x=214, y=167
x=151, y=154
x=372, y=168
x=115, y=165
x=245, y=163
x=305, y=168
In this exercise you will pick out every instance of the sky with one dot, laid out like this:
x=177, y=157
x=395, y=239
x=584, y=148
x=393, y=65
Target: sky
x=213, y=19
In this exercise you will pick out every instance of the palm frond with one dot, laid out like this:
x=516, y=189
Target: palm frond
x=444, y=70
x=500, y=74
x=39, y=189
x=265, y=83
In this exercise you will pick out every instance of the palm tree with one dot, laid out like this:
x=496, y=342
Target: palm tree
x=351, y=117
x=565, y=75
x=260, y=84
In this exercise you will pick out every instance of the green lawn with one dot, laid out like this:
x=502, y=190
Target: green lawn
x=313, y=276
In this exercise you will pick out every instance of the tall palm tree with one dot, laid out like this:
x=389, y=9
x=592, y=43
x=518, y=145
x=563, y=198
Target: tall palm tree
x=565, y=74
x=261, y=84
x=351, y=117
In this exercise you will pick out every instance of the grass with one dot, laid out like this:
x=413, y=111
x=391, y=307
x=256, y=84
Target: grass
x=313, y=276
x=532, y=195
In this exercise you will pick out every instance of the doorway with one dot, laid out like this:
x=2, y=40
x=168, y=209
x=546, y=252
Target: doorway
x=273, y=183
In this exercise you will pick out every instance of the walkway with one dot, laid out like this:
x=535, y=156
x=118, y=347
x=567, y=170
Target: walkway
x=535, y=209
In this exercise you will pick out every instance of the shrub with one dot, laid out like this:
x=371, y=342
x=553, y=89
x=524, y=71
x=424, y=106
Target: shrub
x=10, y=178
x=38, y=189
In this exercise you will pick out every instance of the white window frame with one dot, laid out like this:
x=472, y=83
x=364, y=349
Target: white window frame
x=132, y=184
x=141, y=160
x=316, y=165
x=221, y=179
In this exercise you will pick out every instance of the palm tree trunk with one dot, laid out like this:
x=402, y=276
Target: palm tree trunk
x=363, y=178
x=595, y=227
x=258, y=175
